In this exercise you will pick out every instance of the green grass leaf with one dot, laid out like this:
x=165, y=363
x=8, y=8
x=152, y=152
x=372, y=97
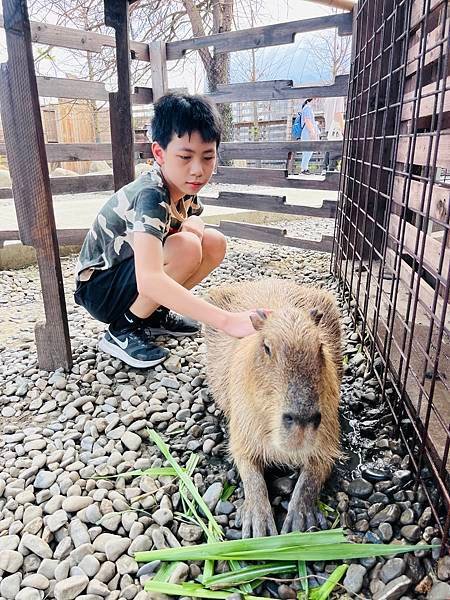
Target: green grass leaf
x=186, y=480
x=304, y=581
x=324, y=591
x=246, y=575
x=194, y=590
x=152, y=472
x=242, y=547
x=227, y=491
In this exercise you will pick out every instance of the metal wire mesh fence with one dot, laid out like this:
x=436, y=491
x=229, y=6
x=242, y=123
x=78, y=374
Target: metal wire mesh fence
x=392, y=238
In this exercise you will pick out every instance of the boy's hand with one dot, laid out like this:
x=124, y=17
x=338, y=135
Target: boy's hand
x=195, y=225
x=239, y=324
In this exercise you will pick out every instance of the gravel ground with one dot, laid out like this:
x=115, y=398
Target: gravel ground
x=67, y=536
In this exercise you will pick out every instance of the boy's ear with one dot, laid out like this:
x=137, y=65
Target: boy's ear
x=158, y=153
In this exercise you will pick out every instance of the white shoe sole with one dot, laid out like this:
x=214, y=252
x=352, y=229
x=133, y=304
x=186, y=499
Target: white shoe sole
x=155, y=332
x=117, y=352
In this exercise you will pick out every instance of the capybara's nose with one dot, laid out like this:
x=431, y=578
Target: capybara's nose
x=291, y=419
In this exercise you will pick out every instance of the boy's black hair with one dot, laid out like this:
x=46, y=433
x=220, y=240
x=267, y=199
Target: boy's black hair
x=182, y=113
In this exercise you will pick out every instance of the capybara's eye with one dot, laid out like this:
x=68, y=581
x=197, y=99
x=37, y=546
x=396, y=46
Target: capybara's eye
x=267, y=349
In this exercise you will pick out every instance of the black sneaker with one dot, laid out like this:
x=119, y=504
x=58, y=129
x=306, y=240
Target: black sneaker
x=165, y=322
x=133, y=347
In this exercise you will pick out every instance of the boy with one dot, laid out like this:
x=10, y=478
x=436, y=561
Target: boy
x=148, y=246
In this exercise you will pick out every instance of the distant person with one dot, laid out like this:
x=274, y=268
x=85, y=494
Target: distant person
x=310, y=132
x=334, y=128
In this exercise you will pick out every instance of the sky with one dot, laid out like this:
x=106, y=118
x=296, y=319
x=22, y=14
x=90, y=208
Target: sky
x=281, y=62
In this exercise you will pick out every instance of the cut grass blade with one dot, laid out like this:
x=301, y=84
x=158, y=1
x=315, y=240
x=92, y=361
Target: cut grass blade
x=194, y=590
x=165, y=571
x=324, y=552
x=246, y=575
x=324, y=591
x=241, y=547
x=304, y=582
x=315, y=551
x=185, y=479
x=227, y=491
x=152, y=472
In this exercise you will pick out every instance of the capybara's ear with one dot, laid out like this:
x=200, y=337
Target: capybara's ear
x=257, y=318
x=316, y=315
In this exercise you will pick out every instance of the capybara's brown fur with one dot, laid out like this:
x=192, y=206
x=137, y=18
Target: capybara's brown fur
x=279, y=388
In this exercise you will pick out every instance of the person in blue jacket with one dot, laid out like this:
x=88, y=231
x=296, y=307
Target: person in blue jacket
x=310, y=131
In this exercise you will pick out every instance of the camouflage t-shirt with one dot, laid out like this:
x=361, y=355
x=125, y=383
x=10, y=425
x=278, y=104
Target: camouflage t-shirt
x=142, y=205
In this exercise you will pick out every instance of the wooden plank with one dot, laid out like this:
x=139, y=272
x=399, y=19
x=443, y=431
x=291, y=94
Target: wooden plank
x=417, y=11
x=339, y=4
x=421, y=149
x=66, y=237
x=277, y=90
x=432, y=251
x=77, y=39
x=427, y=100
x=227, y=150
x=275, y=178
x=440, y=199
x=275, y=150
x=260, y=37
x=120, y=115
x=31, y=185
x=272, y=235
x=276, y=204
x=426, y=292
x=57, y=87
x=159, y=69
x=142, y=95
x=432, y=52
x=73, y=185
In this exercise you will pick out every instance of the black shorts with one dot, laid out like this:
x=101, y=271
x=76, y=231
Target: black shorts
x=108, y=294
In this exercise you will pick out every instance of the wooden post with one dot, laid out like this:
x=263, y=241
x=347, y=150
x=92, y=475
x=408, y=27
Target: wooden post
x=158, y=63
x=27, y=160
x=116, y=16
x=339, y=4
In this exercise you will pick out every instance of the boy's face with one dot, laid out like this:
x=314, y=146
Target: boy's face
x=187, y=163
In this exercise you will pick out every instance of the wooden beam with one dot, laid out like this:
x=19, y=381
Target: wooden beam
x=277, y=90
x=66, y=237
x=339, y=4
x=120, y=116
x=261, y=37
x=75, y=184
x=159, y=69
x=77, y=39
x=274, y=150
x=227, y=150
x=57, y=87
x=275, y=178
x=31, y=185
x=272, y=235
x=276, y=204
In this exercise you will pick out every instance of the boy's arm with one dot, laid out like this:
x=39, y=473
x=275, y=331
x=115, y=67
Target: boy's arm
x=154, y=283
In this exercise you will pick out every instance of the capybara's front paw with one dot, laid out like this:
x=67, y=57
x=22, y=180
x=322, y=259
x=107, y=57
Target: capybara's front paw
x=301, y=518
x=256, y=519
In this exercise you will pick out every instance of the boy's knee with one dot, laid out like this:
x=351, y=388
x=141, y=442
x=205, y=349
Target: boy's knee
x=189, y=247
x=214, y=245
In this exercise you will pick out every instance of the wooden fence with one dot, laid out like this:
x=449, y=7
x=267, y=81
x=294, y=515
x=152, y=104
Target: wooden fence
x=32, y=187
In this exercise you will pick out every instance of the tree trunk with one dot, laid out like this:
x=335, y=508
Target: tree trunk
x=217, y=65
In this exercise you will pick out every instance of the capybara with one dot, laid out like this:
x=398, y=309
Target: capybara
x=279, y=390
